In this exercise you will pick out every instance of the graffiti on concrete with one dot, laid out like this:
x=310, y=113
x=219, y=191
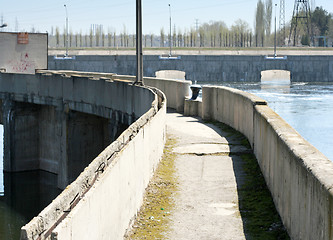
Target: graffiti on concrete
x=23, y=65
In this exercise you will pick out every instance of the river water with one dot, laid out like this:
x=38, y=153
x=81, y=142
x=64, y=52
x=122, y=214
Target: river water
x=22, y=196
x=307, y=107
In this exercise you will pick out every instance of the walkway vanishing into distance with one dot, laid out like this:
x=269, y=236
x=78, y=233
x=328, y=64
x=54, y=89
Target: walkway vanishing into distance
x=211, y=175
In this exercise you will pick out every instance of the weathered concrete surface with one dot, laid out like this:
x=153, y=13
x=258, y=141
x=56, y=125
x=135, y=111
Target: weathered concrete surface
x=207, y=203
x=60, y=121
x=108, y=193
x=117, y=195
x=175, y=90
x=299, y=177
x=23, y=58
x=170, y=74
x=208, y=68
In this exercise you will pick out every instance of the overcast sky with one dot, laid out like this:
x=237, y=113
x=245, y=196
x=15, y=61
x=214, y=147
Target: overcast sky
x=114, y=15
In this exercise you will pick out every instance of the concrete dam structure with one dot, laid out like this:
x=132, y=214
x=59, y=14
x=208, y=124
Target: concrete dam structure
x=79, y=126
x=108, y=192
x=212, y=68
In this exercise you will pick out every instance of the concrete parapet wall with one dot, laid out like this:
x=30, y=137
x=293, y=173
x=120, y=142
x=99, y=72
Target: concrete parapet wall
x=297, y=174
x=175, y=90
x=230, y=106
x=108, y=193
x=118, y=193
x=98, y=96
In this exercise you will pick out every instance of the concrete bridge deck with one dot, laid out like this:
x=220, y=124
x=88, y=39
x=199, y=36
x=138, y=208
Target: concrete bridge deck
x=210, y=177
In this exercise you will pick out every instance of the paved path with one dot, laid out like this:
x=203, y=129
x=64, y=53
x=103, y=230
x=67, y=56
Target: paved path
x=207, y=205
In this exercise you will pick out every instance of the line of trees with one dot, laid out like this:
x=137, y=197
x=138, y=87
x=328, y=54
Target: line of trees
x=214, y=34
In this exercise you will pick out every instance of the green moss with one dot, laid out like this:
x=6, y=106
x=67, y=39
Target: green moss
x=256, y=204
x=258, y=212
x=153, y=219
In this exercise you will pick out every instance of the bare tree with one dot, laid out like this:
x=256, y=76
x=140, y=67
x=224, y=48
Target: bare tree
x=57, y=36
x=97, y=36
x=76, y=39
x=240, y=29
x=109, y=38
x=91, y=37
x=162, y=34
x=260, y=24
x=151, y=40
x=70, y=38
x=268, y=17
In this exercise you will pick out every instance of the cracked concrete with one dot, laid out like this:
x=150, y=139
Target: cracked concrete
x=207, y=203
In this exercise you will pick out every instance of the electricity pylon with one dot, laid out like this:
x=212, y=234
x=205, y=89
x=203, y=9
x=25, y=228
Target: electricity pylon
x=301, y=15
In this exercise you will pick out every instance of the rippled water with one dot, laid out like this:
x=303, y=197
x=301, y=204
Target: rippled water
x=307, y=107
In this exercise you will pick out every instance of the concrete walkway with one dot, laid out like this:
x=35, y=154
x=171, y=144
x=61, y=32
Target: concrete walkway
x=207, y=203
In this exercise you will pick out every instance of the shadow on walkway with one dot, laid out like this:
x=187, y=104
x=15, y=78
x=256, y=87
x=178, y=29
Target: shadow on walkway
x=259, y=217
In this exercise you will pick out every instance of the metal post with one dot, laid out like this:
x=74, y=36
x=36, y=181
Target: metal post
x=139, y=57
x=66, y=31
x=275, y=34
x=170, y=31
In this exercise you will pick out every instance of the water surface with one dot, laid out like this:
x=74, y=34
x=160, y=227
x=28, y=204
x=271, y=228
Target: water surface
x=22, y=196
x=307, y=107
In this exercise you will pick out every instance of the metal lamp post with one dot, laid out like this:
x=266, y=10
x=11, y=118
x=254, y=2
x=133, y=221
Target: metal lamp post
x=275, y=33
x=139, y=57
x=66, y=55
x=170, y=43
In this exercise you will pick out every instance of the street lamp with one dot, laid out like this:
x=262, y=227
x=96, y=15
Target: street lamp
x=275, y=33
x=170, y=30
x=3, y=25
x=66, y=55
x=139, y=57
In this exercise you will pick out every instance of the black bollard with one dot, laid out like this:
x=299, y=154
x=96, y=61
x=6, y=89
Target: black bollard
x=195, y=91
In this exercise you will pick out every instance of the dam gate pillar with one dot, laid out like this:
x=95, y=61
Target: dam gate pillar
x=55, y=139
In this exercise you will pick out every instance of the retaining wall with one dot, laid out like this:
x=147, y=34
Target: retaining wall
x=100, y=203
x=176, y=91
x=206, y=68
x=299, y=177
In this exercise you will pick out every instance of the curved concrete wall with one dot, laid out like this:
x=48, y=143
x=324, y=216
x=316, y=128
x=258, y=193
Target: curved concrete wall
x=176, y=91
x=297, y=174
x=83, y=93
x=108, y=193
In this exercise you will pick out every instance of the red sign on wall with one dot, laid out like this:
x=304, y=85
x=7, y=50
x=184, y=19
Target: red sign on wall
x=22, y=38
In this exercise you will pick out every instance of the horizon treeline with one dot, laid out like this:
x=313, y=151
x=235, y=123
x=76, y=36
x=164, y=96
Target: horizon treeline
x=214, y=34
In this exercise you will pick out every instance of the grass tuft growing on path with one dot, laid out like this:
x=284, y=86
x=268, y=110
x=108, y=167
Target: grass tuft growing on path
x=153, y=219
